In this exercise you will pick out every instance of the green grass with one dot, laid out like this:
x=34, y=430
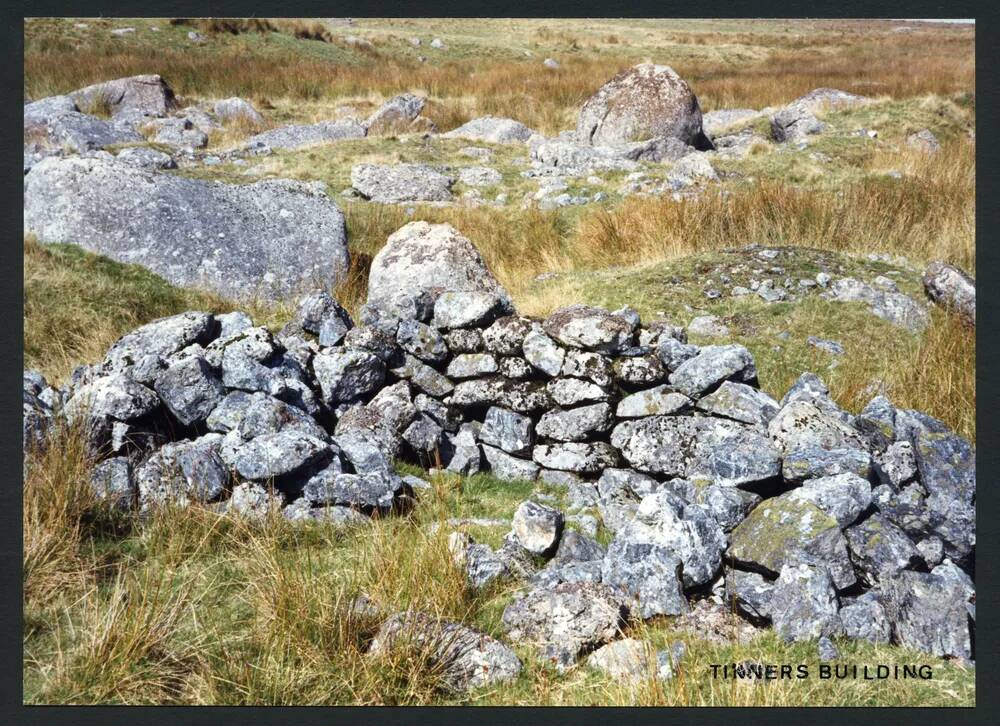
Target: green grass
x=209, y=609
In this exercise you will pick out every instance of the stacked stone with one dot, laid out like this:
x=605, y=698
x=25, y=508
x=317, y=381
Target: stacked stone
x=798, y=513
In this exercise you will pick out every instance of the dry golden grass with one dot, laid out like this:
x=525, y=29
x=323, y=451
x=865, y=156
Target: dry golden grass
x=729, y=68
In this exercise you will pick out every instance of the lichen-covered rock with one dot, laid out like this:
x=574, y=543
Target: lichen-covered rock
x=398, y=183
x=575, y=424
x=782, y=531
x=627, y=660
x=265, y=239
x=572, y=391
x=298, y=136
x=113, y=484
x=794, y=123
x=803, y=603
x=344, y=375
x=739, y=402
x=864, y=618
x=567, y=620
x=181, y=473
x=507, y=430
x=802, y=425
x=688, y=531
x=468, y=659
x=895, y=307
x=421, y=341
x=725, y=452
x=657, y=401
x=750, y=594
x=116, y=396
x=237, y=109
x=492, y=130
x=481, y=564
x=639, y=370
x=576, y=547
x=419, y=262
x=468, y=309
x=273, y=456
x=647, y=576
x=712, y=365
x=395, y=113
x=583, y=458
x=812, y=463
x=254, y=501
x=842, y=496
x=371, y=491
x=591, y=366
x=472, y=365
x=643, y=102
x=880, y=550
x=537, y=527
x=543, y=353
x=930, y=611
x=507, y=467
x=589, y=328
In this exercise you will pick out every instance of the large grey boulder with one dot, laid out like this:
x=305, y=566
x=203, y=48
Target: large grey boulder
x=419, y=262
x=147, y=94
x=951, y=288
x=643, y=102
x=566, y=621
x=267, y=238
x=294, y=137
x=398, y=183
x=468, y=659
x=492, y=130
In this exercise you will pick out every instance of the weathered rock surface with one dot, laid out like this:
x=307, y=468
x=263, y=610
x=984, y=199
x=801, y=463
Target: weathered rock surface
x=419, y=262
x=268, y=237
x=642, y=102
x=295, y=137
x=397, y=183
x=492, y=130
x=951, y=288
